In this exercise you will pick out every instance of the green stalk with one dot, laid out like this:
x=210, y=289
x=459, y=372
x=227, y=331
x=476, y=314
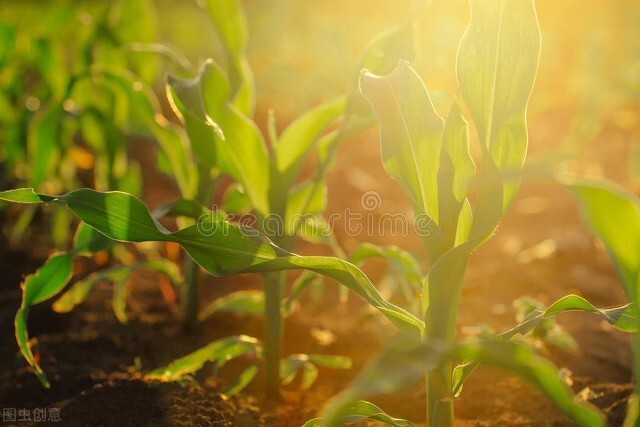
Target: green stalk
x=190, y=292
x=440, y=320
x=634, y=402
x=190, y=295
x=274, y=284
x=440, y=396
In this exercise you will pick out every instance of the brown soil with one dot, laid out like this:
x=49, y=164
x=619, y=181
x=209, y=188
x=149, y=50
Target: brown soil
x=90, y=358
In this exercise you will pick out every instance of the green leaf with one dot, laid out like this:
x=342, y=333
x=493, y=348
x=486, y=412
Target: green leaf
x=246, y=302
x=145, y=107
x=296, y=140
x=382, y=55
x=624, y=318
x=242, y=381
x=496, y=67
x=303, y=202
x=357, y=411
x=79, y=291
x=402, y=261
x=23, y=195
x=231, y=141
x=39, y=287
x=187, y=99
x=88, y=241
x=76, y=295
x=292, y=364
x=181, y=207
x=456, y=170
x=306, y=279
x=402, y=363
x=330, y=361
x=236, y=200
x=614, y=216
x=309, y=375
x=119, y=300
x=220, y=247
x=230, y=22
x=44, y=145
x=219, y=352
x=411, y=133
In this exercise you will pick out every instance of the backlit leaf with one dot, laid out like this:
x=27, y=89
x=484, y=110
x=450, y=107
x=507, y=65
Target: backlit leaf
x=244, y=302
x=496, y=66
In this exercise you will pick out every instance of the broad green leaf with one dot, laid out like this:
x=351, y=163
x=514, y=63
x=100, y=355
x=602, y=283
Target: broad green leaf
x=172, y=54
x=218, y=246
x=43, y=142
x=187, y=99
x=77, y=294
x=245, y=302
x=289, y=367
x=357, y=411
x=382, y=55
x=496, y=67
x=145, y=106
x=51, y=278
x=39, y=287
x=303, y=202
x=218, y=352
x=614, y=216
x=309, y=375
x=411, y=133
x=305, y=363
x=401, y=260
x=402, y=363
x=456, y=169
x=51, y=64
x=230, y=22
x=330, y=361
x=231, y=141
x=242, y=381
x=119, y=299
x=295, y=142
x=47, y=281
x=88, y=241
x=624, y=318
x=181, y=207
x=306, y=279
x=316, y=229
x=79, y=291
x=236, y=200
x=24, y=195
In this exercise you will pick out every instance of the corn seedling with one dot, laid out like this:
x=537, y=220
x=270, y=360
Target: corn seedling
x=54, y=93
x=613, y=215
x=215, y=107
x=496, y=66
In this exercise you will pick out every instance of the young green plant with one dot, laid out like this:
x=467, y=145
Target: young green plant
x=613, y=215
x=496, y=66
x=226, y=141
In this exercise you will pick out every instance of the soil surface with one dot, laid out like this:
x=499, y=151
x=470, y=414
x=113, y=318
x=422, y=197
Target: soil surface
x=96, y=364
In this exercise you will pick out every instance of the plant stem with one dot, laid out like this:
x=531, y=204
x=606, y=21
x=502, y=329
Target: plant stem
x=274, y=284
x=190, y=292
x=440, y=322
x=439, y=396
x=635, y=400
x=190, y=297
